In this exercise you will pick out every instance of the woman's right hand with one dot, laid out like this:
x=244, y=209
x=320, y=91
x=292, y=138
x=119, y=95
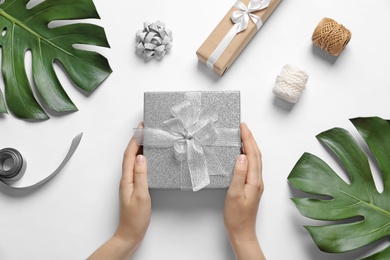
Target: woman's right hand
x=243, y=198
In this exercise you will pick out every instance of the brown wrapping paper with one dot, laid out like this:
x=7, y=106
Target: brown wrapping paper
x=238, y=43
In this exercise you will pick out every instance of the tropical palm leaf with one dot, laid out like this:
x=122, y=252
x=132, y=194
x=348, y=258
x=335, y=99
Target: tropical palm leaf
x=367, y=210
x=26, y=29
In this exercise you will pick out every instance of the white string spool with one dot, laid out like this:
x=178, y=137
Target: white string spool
x=290, y=83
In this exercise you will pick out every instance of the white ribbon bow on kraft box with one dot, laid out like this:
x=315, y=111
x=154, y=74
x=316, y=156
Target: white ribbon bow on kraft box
x=234, y=32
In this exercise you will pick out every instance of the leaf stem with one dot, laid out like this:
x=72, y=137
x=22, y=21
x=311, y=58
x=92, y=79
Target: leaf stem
x=367, y=204
x=40, y=38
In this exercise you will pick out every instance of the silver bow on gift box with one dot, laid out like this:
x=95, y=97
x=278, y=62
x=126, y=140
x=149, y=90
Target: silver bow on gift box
x=192, y=133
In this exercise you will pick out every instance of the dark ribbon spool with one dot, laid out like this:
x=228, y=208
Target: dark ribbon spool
x=18, y=167
x=16, y=171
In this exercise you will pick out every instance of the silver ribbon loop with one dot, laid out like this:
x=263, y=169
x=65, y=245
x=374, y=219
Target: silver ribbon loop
x=240, y=18
x=17, y=170
x=191, y=133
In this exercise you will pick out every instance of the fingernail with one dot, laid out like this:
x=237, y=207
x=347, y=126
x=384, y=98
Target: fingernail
x=140, y=159
x=242, y=158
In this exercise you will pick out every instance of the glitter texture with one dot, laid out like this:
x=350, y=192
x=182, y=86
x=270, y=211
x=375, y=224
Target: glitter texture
x=164, y=171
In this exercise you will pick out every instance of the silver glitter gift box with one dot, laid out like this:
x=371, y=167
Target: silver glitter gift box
x=188, y=135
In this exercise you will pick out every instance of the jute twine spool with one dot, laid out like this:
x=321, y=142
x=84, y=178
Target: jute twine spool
x=331, y=36
x=290, y=83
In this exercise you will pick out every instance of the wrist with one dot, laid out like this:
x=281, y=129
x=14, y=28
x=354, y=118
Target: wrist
x=241, y=236
x=114, y=248
x=246, y=247
x=124, y=244
x=125, y=241
x=242, y=241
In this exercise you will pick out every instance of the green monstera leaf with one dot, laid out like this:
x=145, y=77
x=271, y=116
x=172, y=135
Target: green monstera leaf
x=367, y=210
x=24, y=29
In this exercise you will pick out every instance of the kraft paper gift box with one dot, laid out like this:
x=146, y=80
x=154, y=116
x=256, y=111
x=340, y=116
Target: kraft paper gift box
x=190, y=139
x=234, y=32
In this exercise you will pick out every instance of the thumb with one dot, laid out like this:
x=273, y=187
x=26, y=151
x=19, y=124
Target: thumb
x=140, y=175
x=239, y=176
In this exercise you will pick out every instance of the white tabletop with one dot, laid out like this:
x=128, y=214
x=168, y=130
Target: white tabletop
x=78, y=210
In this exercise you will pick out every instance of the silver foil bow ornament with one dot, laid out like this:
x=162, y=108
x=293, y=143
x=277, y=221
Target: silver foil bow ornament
x=191, y=133
x=153, y=41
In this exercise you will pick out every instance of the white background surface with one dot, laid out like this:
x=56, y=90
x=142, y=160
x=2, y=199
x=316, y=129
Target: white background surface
x=78, y=210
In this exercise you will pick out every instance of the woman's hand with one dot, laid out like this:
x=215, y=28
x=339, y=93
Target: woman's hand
x=135, y=207
x=135, y=202
x=243, y=198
